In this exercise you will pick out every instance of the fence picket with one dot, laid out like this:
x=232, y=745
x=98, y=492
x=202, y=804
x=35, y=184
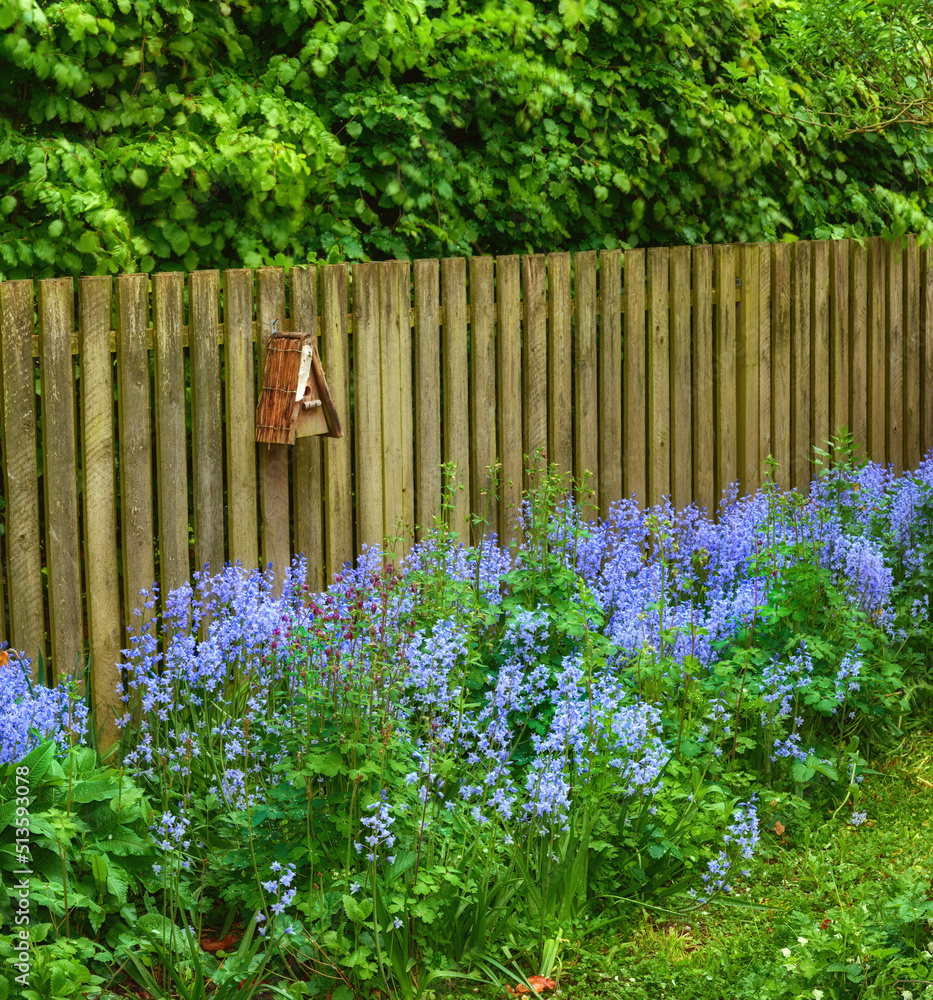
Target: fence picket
x=427, y=393
x=765, y=427
x=585, y=379
x=21, y=479
x=308, y=471
x=133, y=421
x=171, y=434
x=781, y=363
x=839, y=337
x=859, y=375
x=60, y=473
x=102, y=581
x=659, y=381
x=877, y=344
x=926, y=347
x=534, y=362
x=483, y=455
x=748, y=356
x=820, y=373
x=681, y=377
x=367, y=404
x=273, y=459
x=912, y=358
x=801, y=362
x=390, y=348
x=338, y=484
x=509, y=364
x=456, y=404
x=559, y=363
x=894, y=352
x=609, y=418
x=206, y=420
x=402, y=271
x=725, y=366
x=704, y=401
x=634, y=434
x=239, y=372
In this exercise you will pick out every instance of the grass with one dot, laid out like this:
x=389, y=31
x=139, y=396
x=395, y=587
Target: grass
x=800, y=878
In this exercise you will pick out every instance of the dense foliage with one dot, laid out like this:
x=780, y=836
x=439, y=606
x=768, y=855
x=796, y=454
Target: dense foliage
x=184, y=133
x=466, y=765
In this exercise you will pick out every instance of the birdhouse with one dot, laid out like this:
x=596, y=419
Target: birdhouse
x=295, y=401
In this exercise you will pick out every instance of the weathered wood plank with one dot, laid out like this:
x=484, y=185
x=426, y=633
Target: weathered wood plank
x=926, y=348
x=725, y=361
x=509, y=360
x=704, y=399
x=101, y=570
x=21, y=476
x=801, y=346
x=60, y=474
x=894, y=337
x=308, y=469
x=483, y=453
x=877, y=345
x=402, y=271
x=585, y=383
x=456, y=400
x=171, y=434
x=912, y=357
x=534, y=365
x=133, y=422
x=610, y=417
x=390, y=342
x=681, y=379
x=860, y=397
x=820, y=372
x=748, y=360
x=367, y=408
x=427, y=393
x=559, y=364
x=840, y=346
x=781, y=364
x=659, y=375
x=240, y=386
x=338, y=484
x=206, y=420
x=765, y=430
x=634, y=378
x=273, y=458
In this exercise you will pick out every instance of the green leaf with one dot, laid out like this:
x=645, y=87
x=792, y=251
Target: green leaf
x=99, y=870
x=88, y=242
x=359, y=911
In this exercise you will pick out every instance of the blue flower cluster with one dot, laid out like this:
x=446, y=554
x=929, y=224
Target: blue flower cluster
x=31, y=714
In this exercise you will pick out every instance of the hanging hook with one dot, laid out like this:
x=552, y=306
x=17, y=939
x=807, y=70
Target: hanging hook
x=275, y=327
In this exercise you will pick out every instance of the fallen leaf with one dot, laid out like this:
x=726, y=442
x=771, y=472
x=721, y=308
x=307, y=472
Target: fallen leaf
x=4, y=658
x=779, y=828
x=209, y=944
x=538, y=984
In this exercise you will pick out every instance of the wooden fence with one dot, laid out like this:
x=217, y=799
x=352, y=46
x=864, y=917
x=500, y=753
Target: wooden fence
x=661, y=372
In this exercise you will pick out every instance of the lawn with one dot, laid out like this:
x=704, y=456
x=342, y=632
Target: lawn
x=653, y=754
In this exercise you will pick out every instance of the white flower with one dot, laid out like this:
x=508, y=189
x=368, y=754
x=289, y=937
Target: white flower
x=785, y=952
x=906, y=995
x=817, y=995
x=801, y=940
